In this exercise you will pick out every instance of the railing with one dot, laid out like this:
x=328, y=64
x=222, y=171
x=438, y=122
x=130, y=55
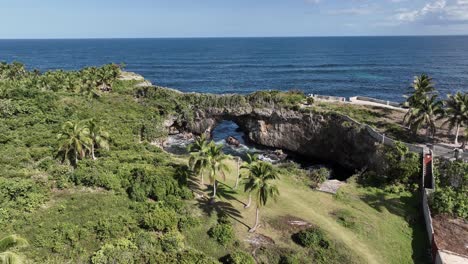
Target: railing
x=381, y=138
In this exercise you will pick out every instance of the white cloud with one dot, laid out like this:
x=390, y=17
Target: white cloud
x=437, y=12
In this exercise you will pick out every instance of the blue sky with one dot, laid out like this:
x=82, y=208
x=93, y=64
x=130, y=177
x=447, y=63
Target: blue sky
x=227, y=18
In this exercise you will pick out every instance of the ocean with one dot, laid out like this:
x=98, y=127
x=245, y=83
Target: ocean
x=380, y=67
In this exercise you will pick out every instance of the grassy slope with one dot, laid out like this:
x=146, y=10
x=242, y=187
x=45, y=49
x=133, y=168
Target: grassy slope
x=382, y=233
x=387, y=229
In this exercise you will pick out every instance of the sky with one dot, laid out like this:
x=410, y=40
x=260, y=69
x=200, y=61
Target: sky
x=229, y=18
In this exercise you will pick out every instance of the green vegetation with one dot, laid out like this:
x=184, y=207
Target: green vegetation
x=451, y=195
x=82, y=181
x=259, y=183
x=456, y=112
x=239, y=257
x=401, y=170
x=223, y=233
x=425, y=108
x=9, y=243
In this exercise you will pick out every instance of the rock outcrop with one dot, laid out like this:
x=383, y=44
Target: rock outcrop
x=322, y=136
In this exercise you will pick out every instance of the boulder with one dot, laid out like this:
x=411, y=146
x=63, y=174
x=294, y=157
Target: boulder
x=233, y=141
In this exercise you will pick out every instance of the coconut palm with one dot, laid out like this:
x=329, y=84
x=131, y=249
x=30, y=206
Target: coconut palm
x=423, y=114
x=99, y=137
x=198, y=160
x=251, y=160
x=422, y=87
x=7, y=256
x=456, y=112
x=259, y=182
x=216, y=163
x=90, y=82
x=74, y=140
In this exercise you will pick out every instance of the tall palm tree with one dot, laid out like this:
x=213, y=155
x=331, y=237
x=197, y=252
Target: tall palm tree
x=456, y=112
x=424, y=114
x=259, y=182
x=216, y=163
x=422, y=87
x=74, y=140
x=6, y=245
x=198, y=160
x=251, y=160
x=99, y=137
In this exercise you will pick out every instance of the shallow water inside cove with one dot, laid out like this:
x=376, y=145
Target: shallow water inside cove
x=177, y=144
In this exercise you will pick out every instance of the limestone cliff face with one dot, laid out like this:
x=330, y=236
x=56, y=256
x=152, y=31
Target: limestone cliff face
x=330, y=137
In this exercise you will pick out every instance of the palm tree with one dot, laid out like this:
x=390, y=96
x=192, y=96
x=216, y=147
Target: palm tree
x=99, y=137
x=216, y=163
x=259, y=182
x=198, y=160
x=74, y=140
x=423, y=114
x=422, y=87
x=456, y=112
x=90, y=82
x=251, y=160
x=6, y=245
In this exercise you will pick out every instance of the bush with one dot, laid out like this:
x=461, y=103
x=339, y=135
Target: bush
x=160, y=219
x=223, y=233
x=403, y=166
x=122, y=252
x=239, y=257
x=447, y=200
x=311, y=238
x=191, y=256
x=451, y=196
x=319, y=176
x=155, y=183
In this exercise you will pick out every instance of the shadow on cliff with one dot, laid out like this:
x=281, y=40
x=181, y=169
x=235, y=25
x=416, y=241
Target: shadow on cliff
x=409, y=208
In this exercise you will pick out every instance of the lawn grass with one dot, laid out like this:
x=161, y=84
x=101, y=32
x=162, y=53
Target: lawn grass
x=387, y=228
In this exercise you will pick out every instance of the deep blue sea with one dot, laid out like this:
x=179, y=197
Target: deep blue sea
x=380, y=67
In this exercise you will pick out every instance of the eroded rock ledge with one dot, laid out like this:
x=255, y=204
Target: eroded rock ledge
x=324, y=136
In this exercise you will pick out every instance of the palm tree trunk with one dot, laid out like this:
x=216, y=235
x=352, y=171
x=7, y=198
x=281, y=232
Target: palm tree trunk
x=214, y=189
x=76, y=157
x=249, y=202
x=92, y=152
x=257, y=218
x=202, y=180
x=238, y=173
x=456, y=134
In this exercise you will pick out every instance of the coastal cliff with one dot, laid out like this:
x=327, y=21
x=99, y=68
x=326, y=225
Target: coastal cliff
x=321, y=136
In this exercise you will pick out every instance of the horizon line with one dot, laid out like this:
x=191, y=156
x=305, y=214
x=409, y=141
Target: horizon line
x=236, y=37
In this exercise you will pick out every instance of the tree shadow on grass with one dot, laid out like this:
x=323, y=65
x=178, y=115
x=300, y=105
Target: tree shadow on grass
x=224, y=191
x=211, y=206
x=187, y=177
x=410, y=208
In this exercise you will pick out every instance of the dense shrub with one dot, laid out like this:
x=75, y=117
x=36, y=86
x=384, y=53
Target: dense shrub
x=318, y=176
x=123, y=252
x=115, y=226
x=155, y=183
x=223, y=233
x=191, y=256
x=448, y=200
x=403, y=166
x=21, y=194
x=311, y=238
x=239, y=257
x=451, y=195
x=160, y=219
